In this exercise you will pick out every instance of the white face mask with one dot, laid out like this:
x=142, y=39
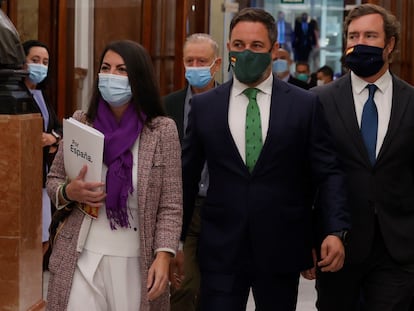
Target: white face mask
x=115, y=89
x=320, y=82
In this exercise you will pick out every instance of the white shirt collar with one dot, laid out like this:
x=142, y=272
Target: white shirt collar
x=265, y=86
x=382, y=83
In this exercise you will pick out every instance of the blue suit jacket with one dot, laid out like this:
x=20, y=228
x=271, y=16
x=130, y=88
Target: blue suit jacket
x=264, y=215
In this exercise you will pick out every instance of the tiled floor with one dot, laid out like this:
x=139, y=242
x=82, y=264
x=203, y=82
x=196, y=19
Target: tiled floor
x=306, y=299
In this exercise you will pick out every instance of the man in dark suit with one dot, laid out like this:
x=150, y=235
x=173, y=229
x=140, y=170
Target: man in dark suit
x=305, y=38
x=379, y=270
x=284, y=32
x=256, y=220
x=201, y=60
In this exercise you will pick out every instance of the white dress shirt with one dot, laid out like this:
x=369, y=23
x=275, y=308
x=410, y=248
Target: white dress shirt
x=122, y=242
x=237, y=111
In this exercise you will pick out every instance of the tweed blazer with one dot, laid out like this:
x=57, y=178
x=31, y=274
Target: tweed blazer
x=159, y=207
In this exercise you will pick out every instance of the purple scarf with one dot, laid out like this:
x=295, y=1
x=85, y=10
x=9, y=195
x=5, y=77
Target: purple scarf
x=119, y=138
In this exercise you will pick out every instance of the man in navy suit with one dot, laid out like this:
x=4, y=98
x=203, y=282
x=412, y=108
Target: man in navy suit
x=305, y=38
x=256, y=222
x=379, y=270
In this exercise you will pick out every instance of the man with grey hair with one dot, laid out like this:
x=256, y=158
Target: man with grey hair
x=201, y=61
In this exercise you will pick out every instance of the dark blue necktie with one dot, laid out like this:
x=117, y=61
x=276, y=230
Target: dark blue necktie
x=369, y=124
x=305, y=27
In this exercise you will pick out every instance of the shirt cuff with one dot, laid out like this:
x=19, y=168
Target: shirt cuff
x=58, y=193
x=165, y=249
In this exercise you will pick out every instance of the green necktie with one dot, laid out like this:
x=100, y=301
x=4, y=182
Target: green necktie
x=253, y=129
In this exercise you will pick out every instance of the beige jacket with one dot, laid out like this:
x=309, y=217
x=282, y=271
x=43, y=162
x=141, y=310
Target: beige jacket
x=159, y=206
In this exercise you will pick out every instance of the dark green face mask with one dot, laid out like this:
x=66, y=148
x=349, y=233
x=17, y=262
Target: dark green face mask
x=249, y=66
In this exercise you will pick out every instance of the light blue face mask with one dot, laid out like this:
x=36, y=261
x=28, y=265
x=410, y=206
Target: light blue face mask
x=280, y=66
x=37, y=72
x=199, y=77
x=115, y=89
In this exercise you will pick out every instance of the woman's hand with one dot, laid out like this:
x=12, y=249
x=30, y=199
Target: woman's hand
x=90, y=193
x=48, y=139
x=158, y=275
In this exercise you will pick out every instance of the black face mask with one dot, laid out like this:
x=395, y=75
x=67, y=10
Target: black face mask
x=364, y=60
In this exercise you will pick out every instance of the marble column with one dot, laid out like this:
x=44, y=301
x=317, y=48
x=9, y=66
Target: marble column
x=20, y=212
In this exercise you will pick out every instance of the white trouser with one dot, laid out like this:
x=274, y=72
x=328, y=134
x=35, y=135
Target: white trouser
x=105, y=283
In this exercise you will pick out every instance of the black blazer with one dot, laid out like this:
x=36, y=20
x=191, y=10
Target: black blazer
x=298, y=82
x=174, y=106
x=266, y=213
x=385, y=190
x=304, y=40
x=54, y=124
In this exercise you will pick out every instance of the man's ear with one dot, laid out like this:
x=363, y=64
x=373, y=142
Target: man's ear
x=218, y=63
x=391, y=45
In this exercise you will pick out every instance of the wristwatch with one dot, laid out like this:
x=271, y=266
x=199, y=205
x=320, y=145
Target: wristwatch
x=343, y=235
x=57, y=136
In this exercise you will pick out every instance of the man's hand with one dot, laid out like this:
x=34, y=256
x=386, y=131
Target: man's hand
x=332, y=254
x=310, y=274
x=177, y=270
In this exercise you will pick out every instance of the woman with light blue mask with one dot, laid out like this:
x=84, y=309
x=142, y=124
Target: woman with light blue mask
x=37, y=65
x=120, y=259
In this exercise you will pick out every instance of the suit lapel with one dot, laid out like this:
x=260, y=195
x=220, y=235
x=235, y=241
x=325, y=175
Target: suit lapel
x=399, y=105
x=277, y=116
x=223, y=112
x=346, y=110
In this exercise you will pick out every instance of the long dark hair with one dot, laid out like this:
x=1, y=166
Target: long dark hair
x=146, y=96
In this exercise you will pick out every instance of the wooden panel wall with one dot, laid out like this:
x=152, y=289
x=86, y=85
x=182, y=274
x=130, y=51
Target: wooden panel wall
x=403, y=62
x=115, y=20
x=10, y=8
x=153, y=23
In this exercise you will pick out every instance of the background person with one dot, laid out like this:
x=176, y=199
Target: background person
x=303, y=73
x=284, y=32
x=120, y=261
x=305, y=38
x=201, y=60
x=324, y=75
x=373, y=133
x=281, y=67
x=256, y=220
x=37, y=64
